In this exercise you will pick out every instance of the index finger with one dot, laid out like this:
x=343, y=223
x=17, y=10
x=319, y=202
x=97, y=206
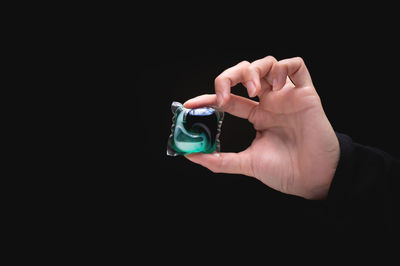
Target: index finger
x=227, y=79
x=295, y=69
x=250, y=75
x=237, y=105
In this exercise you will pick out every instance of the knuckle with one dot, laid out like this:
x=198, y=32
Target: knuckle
x=220, y=165
x=255, y=68
x=270, y=57
x=244, y=63
x=222, y=81
x=219, y=80
x=299, y=60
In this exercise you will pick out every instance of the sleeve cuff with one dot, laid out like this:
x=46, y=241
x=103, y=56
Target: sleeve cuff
x=342, y=180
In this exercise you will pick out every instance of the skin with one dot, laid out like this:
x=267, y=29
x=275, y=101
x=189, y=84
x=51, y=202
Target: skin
x=295, y=149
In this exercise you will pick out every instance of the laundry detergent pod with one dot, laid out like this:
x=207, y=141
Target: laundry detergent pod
x=194, y=130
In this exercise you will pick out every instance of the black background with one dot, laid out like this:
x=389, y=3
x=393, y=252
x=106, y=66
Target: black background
x=140, y=195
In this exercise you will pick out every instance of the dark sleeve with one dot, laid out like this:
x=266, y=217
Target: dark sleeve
x=363, y=193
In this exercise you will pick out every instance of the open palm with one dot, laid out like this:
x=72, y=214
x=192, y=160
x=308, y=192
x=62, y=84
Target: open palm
x=295, y=149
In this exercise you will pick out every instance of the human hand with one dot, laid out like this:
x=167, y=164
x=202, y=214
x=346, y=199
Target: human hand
x=295, y=149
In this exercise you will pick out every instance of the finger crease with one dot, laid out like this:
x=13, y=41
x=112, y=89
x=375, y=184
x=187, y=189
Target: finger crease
x=251, y=113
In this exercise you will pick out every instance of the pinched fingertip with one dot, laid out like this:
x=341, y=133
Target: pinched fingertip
x=200, y=101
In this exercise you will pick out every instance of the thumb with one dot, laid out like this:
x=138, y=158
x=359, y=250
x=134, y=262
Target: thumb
x=224, y=162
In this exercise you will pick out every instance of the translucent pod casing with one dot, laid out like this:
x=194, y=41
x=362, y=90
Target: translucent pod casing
x=194, y=130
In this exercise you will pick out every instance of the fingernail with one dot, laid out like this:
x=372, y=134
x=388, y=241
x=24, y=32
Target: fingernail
x=219, y=100
x=251, y=88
